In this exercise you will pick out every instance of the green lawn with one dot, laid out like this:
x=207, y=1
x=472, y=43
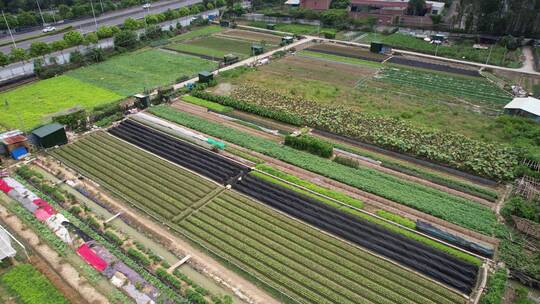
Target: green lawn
x=203, y=31
x=132, y=73
x=458, y=50
x=216, y=47
x=31, y=104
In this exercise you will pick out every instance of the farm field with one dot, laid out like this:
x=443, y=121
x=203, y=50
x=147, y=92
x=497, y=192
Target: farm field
x=448, y=207
x=462, y=51
x=153, y=185
x=199, y=32
x=249, y=234
x=146, y=69
x=30, y=105
x=215, y=45
x=301, y=262
x=294, y=28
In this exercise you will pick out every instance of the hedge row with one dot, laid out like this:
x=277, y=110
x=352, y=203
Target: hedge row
x=310, y=144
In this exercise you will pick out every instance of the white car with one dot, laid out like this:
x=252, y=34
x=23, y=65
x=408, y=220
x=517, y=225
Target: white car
x=49, y=29
x=147, y=6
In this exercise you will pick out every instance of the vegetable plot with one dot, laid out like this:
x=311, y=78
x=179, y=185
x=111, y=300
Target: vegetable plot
x=429, y=261
x=306, y=265
x=153, y=185
x=194, y=158
x=478, y=90
x=31, y=287
x=457, y=151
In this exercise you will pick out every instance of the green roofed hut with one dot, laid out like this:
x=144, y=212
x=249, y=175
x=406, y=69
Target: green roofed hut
x=257, y=49
x=205, y=77
x=50, y=135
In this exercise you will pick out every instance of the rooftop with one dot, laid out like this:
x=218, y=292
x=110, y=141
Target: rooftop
x=47, y=129
x=527, y=104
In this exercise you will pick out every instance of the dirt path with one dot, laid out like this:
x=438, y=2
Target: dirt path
x=528, y=63
x=243, y=288
x=65, y=270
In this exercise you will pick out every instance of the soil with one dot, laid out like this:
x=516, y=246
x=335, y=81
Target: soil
x=243, y=288
x=249, y=35
x=64, y=270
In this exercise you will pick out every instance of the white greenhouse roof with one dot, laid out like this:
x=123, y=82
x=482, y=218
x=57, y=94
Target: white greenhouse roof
x=292, y=2
x=527, y=104
x=6, y=250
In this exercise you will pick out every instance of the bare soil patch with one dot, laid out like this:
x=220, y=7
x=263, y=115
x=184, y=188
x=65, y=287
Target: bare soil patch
x=252, y=36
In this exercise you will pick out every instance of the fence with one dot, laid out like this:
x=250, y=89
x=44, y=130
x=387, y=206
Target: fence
x=268, y=19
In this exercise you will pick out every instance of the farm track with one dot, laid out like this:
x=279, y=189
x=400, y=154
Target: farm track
x=431, y=262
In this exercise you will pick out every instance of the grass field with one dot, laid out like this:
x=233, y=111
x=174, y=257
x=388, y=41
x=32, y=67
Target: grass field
x=30, y=105
x=154, y=185
x=301, y=262
x=458, y=50
x=132, y=73
x=199, y=32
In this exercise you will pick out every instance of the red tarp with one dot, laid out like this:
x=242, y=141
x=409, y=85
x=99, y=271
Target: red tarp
x=4, y=187
x=42, y=214
x=44, y=205
x=91, y=257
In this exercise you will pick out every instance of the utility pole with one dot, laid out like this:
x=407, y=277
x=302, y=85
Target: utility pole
x=40, y=13
x=102, y=9
x=93, y=13
x=436, y=49
x=9, y=30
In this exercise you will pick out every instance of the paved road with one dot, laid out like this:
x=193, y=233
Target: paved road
x=88, y=25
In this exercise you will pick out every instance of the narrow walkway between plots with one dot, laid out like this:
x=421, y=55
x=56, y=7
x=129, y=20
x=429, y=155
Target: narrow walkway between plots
x=198, y=205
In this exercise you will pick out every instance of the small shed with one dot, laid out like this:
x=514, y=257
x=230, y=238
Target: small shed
x=6, y=249
x=50, y=135
x=142, y=101
x=377, y=47
x=287, y=40
x=270, y=26
x=524, y=106
x=14, y=143
x=257, y=49
x=230, y=59
x=205, y=77
x=224, y=23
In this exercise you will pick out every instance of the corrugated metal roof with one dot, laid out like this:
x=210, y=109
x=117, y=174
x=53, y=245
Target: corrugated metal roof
x=14, y=139
x=527, y=104
x=47, y=129
x=6, y=250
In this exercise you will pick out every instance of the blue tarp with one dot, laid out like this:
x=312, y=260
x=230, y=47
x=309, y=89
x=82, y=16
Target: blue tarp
x=19, y=153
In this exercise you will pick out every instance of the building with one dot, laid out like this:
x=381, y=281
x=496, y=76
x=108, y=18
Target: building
x=393, y=12
x=50, y=135
x=524, y=106
x=14, y=143
x=319, y=5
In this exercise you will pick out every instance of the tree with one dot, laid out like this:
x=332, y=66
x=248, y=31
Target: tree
x=153, y=32
x=39, y=48
x=91, y=38
x=194, y=10
x=209, y=6
x=125, y=40
x=104, y=32
x=73, y=38
x=76, y=57
x=18, y=54
x=131, y=24
x=220, y=3
x=184, y=11
x=65, y=11
x=340, y=4
x=416, y=7
x=4, y=59
x=59, y=45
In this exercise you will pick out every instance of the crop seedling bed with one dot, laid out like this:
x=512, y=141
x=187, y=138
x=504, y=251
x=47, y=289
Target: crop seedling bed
x=427, y=260
x=150, y=183
x=433, y=66
x=303, y=263
x=345, y=51
x=194, y=158
x=251, y=36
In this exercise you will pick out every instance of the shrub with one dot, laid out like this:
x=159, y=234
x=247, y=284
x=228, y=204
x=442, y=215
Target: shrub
x=347, y=161
x=311, y=144
x=139, y=257
x=495, y=288
x=113, y=237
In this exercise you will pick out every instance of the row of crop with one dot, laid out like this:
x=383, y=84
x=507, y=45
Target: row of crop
x=432, y=201
x=348, y=256
x=113, y=171
x=170, y=172
x=455, y=150
x=311, y=144
x=129, y=193
x=360, y=280
x=183, y=193
x=405, y=222
x=437, y=178
x=324, y=282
